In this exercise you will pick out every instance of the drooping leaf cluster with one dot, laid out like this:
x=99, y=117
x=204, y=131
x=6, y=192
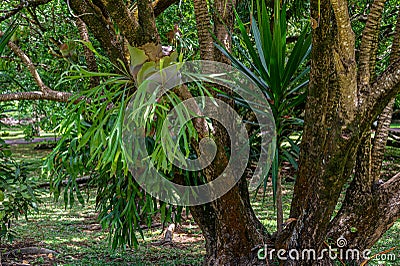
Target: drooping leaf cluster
x=279, y=70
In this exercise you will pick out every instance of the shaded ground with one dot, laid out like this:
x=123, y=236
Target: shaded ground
x=78, y=239
x=35, y=140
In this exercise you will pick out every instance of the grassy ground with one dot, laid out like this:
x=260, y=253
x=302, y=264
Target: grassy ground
x=18, y=133
x=79, y=240
x=395, y=124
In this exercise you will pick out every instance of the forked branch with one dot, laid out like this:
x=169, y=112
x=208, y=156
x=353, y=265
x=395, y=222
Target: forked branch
x=386, y=86
x=45, y=92
x=366, y=66
x=56, y=96
x=100, y=27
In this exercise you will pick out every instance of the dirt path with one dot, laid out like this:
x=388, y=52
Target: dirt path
x=36, y=140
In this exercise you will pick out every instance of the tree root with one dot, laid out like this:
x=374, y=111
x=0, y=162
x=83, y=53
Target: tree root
x=30, y=251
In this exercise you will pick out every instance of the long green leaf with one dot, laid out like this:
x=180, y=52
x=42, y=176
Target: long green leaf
x=7, y=35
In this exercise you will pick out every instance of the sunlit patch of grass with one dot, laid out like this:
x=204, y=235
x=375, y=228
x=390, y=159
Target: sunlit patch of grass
x=388, y=241
x=80, y=240
x=395, y=125
x=264, y=208
x=77, y=236
x=28, y=153
x=19, y=134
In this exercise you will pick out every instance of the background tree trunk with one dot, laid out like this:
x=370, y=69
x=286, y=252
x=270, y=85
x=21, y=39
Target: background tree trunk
x=234, y=226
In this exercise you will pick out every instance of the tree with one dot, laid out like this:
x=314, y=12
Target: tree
x=345, y=97
x=348, y=99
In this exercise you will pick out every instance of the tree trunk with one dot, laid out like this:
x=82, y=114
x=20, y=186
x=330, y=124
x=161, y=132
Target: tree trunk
x=341, y=106
x=234, y=233
x=89, y=55
x=335, y=128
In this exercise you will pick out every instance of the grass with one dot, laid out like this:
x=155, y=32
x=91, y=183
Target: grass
x=17, y=132
x=79, y=240
x=395, y=124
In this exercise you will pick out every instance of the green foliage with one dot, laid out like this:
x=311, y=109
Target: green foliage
x=92, y=146
x=17, y=195
x=40, y=33
x=182, y=15
x=280, y=74
x=7, y=36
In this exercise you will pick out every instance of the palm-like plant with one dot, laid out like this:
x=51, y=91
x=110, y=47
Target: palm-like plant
x=280, y=74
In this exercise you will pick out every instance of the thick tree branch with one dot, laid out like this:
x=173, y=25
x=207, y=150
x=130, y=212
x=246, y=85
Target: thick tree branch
x=101, y=28
x=367, y=60
x=391, y=189
x=386, y=86
x=122, y=16
x=371, y=214
x=45, y=92
x=345, y=61
x=344, y=30
x=380, y=139
x=390, y=199
x=56, y=96
x=223, y=18
x=22, y=5
x=203, y=21
x=148, y=31
x=367, y=201
x=27, y=61
x=385, y=118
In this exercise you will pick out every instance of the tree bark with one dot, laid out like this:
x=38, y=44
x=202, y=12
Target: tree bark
x=203, y=22
x=122, y=17
x=89, y=55
x=56, y=96
x=334, y=129
x=342, y=103
x=101, y=27
x=234, y=232
x=367, y=166
x=382, y=131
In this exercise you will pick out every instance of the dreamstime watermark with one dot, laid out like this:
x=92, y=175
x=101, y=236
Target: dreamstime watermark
x=341, y=252
x=143, y=145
